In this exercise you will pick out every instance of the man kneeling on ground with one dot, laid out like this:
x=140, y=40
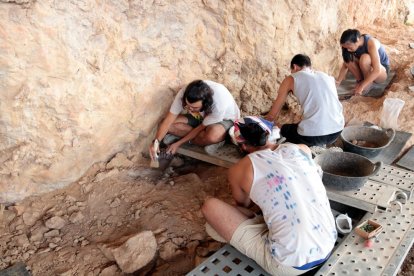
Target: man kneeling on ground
x=322, y=119
x=201, y=113
x=296, y=231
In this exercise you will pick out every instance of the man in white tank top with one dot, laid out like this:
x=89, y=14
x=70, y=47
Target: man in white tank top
x=296, y=231
x=322, y=119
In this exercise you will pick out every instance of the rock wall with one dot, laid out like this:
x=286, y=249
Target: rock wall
x=84, y=79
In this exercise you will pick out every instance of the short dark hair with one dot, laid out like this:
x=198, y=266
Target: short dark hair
x=196, y=91
x=254, y=134
x=350, y=35
x=301, y=61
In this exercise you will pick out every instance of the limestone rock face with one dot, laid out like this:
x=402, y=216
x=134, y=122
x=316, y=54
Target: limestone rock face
x=84, y=80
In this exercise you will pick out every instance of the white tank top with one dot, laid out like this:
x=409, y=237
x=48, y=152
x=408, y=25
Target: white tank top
x=322, y=110
x=295, y=205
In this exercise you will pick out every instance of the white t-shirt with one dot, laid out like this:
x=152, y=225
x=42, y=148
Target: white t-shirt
x=322, y=110
x=224, y=106
x=294, y=203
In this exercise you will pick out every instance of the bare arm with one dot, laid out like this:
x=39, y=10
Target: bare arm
x=165, y=125
x=375, y=63
x=286, y=86
x=192, y=134
x=305, y=149
x=342, y=74
x=240, y=177
x=162, y=130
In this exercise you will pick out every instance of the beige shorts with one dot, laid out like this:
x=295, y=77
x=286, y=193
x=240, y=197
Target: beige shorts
x=249, y=239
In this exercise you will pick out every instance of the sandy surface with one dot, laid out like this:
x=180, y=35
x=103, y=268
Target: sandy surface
x=108, y=204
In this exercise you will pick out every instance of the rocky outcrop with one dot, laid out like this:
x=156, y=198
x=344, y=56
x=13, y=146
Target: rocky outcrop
x=84, y=80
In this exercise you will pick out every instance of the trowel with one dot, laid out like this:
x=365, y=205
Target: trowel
x=162, y=161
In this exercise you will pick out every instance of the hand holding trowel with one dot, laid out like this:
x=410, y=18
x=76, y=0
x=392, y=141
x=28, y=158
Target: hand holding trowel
x=154, y=151
x=160, y=159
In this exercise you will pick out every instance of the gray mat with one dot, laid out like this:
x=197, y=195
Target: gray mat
x=348, y=84
x=407, y=161
x=390, y=153
x=19, y=269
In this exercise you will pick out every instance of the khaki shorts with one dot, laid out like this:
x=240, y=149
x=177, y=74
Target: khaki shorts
x=249, y=239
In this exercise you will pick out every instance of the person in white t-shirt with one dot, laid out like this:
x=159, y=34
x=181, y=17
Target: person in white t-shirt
x=296, y=231
x=202, y=113
x=322, y=119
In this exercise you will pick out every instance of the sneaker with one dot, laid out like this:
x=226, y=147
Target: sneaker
x=170, y=139
x=213, y=148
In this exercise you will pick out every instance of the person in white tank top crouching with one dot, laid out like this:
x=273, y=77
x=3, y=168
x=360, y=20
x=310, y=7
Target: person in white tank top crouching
x=296, y=231
x=322, y=119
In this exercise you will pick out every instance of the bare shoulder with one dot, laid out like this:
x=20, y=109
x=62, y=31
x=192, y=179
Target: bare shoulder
x=289, y=80
x=286, y=85
x=241, y=171
x=243, y=164
x=373, y=42
x=305, y=148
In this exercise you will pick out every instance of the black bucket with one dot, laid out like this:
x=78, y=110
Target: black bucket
x=366, y=141
x=346, y=171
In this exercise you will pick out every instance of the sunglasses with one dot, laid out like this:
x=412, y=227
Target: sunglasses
x=194, y=107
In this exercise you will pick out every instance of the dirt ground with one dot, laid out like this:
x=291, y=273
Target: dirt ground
x=106, y=205
x=117, y=199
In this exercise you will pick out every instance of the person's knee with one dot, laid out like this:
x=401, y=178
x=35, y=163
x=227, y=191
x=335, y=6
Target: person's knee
x=213, y=138
x=208, y=205
x=178, y=127
x=173, y=128
x=212, y=135
x=365, y=59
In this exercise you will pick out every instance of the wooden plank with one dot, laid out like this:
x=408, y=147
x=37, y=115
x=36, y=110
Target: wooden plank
x=226, y=156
